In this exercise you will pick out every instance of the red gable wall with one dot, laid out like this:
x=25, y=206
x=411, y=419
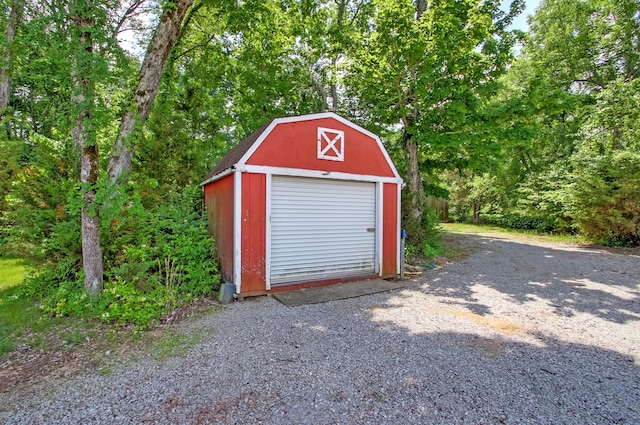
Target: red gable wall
x=295, y=145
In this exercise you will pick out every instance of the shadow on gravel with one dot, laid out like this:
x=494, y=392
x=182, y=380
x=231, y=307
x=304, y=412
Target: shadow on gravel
x=462, y=378
x=573, y=280
x=377, y=371
x=366, y=360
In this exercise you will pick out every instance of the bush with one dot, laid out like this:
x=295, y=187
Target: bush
x=423, y=234
x=606, y=198
x=35, y=215
x=120, y=302
x=9, y=169
x=154, y=260
x=421, y=229
x=519, y=222
x=156, y=249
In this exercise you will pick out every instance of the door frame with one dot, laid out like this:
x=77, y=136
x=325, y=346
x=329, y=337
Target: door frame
x=378, y=238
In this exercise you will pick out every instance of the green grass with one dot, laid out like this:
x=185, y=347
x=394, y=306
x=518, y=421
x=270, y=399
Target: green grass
x=11, y=272
x=174, y=345
x=464, y=228
x=21, y=320
x=105, y=371
x=15, y=312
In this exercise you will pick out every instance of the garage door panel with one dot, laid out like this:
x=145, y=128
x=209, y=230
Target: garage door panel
x=292, y=256
x=321, y=229
x=320, y=266
x=329, y=230
x=319, y=273
x=300, y=223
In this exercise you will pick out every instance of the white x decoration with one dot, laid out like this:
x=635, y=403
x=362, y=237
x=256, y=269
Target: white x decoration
x=330, y=144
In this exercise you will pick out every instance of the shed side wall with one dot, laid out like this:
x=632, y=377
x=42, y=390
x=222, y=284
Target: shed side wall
x=218, y=198
x=294, y=145
x=253, y=232
x=390, y=229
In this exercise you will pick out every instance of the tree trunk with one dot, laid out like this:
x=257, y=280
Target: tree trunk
x=476, y=211
x=411, y=151
x=84, y=141
x=319, y=85
x=160, y=47
x=414, y=180
x=421, y=6
x=334, y=85
x=91, y=250
x=15, y=17
x=164, y=38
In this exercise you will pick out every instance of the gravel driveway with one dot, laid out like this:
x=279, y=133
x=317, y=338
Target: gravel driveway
x=518, y=332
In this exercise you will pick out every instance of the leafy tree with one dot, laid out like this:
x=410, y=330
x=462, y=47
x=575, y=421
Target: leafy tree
x=587, y=49
x=11, y=22
x=233, y=69
x=605, y=191
x=427, y=66
x=90, y=21
x=536, y=125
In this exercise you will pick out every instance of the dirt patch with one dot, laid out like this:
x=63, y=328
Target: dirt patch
x=498, y=324
x=622, y=250
x=457, y=248
x=489, y=347
x=28, y=366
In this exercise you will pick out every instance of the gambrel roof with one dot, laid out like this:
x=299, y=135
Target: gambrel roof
x=240, y=154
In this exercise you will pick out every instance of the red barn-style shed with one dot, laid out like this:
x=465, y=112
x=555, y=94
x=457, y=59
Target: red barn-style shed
x=306, y=200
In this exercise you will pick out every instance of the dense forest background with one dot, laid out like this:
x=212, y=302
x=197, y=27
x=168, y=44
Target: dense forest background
x=102, y=148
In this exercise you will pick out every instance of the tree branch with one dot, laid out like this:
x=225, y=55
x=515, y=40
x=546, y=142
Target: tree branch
x=127, y=14
x=164, y=39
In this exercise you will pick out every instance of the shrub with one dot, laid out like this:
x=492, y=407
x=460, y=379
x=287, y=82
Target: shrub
x=154, y=259
x=606, y=198
x=421, y=229
x=423, y=234
x=519, y=222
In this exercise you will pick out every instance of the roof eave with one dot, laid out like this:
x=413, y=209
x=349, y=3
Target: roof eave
x=218, y=176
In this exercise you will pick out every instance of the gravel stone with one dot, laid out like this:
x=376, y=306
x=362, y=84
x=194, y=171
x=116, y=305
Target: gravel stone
x=519, y=332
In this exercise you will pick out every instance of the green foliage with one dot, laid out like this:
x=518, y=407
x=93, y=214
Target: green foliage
x=513, y=221
x=420, y=228
x=138, y=241
x=432, y=74
x=586, y=43
x=41, y=226
x=605, y=193
x=120, y=302
x=9, y=169
x=430, y=71
x=423, y=234
x=138, y=244
x=568, y=118
x=606, y=198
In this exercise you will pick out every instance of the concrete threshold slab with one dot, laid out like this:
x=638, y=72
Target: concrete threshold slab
x=339, y=291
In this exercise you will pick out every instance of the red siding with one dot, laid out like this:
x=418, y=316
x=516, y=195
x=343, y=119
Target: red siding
x=253, y=232
x=294, y=145
x=219, y=201
x=389, y=229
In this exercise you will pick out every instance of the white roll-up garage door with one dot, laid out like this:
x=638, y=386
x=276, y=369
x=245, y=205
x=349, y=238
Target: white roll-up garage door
x=321, y=229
